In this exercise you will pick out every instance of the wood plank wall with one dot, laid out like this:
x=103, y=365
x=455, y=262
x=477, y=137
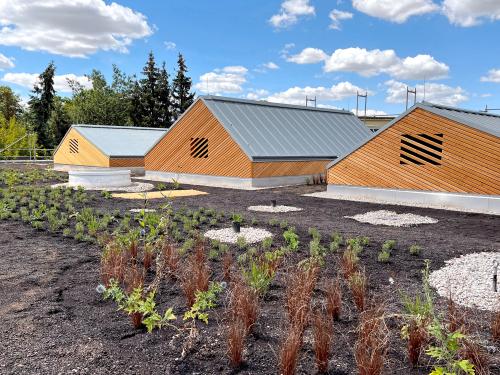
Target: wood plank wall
x=87, y=155
x=470, y=159
x=289, y=168
x=173, y=152
x=126, y=162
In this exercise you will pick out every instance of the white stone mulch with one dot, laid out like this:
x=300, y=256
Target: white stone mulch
x=392, y=218
x=251, y=235
x=142, y=209
x=135, y=187
x=276, y=209
x=468, y=280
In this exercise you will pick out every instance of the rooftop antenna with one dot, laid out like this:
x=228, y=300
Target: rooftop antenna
x=410, y=91
x=311, y=100
x=486, y=109
x=365, y=96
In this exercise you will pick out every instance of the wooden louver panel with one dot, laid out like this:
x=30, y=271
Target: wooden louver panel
x=199, y=148
x=421, y=149
x=73, y=146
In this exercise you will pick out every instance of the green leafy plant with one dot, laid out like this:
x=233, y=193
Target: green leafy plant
x=283, y=224
x=106, y=194
x=274, y=222
x=291, y=239
x=204, y=300
x=384, y=256
x=267, y=243
x=388, y=245
x=176, y=185
x=241, y=242
x=314, y=233
x=415, y=250
x=237, y=218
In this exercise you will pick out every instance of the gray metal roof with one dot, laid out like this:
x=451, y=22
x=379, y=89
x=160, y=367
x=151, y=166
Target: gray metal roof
x=271, y=131
x=483, y=121
x=120, y=141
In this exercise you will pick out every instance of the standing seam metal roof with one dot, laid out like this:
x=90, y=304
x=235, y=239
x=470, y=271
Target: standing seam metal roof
x=271, y=131
x=483, y=121
x=120, y=141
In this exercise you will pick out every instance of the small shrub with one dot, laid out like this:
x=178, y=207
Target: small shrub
x=267, y=243
x=349, y=263
x=336, y=237
x=384, y=256
x=290, y=350
x=171, y=258
x=67, y=232
x=241, y=242
x=415, y=250
x=106, y=194
x=196, y=274
x=243, y=304
x=236, y=342
x=204, y=300
x=357, y=284
x=322, y=333
x=274, y=222
x=476, y=355
x=284, y=224
x=300, y=285
x=388, y=245
x=237, y=218
x=314, y=233
x=213, y=254
x=333, y=293
x=291, y=239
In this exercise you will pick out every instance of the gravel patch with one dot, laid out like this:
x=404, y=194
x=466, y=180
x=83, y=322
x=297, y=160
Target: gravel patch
x=251, y=235
x=135, y=187
x=276, y=209
x=142, y=209
x=468, y=280
x=392, y=218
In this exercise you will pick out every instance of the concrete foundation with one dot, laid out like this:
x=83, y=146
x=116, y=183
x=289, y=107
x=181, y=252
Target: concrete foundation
x=99, y=178
x=489, y=204
x=135, y=171
x=227, y=182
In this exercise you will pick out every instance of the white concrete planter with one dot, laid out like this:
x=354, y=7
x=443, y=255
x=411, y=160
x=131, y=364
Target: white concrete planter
x=100, y=178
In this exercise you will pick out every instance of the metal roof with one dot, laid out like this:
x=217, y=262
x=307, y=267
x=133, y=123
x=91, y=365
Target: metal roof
x=483, y=121
x=120, y=141
x=272, y=131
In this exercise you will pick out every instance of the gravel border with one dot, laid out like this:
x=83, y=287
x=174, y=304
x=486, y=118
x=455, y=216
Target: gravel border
x=137, y=210
x=392, y=218
x=228, y=235
x=468, y=280
x=135, y=187
x=276, y=209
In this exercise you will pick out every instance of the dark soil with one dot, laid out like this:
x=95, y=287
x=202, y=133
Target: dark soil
x=54, y=321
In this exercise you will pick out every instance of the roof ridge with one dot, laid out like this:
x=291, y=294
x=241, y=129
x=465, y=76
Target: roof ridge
x=128, y=127
x=272, y=104
x=449, y=108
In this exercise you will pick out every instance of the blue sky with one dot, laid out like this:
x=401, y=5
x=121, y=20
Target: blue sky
x=265, y=49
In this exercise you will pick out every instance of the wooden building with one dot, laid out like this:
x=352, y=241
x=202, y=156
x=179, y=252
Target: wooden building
x=450, y=152
x=104, y=146
x=249, y=144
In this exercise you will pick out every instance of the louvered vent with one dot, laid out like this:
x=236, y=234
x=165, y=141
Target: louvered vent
x=73, y=146
x=421, y=149
x=199, y=148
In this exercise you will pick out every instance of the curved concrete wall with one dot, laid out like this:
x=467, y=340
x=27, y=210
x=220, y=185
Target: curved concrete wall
x=99, y=178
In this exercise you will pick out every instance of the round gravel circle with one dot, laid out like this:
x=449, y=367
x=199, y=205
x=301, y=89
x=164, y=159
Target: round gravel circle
x=276, y=209
x=228, y=235
x=392, y=218
x=135, y=187
x=468, y=279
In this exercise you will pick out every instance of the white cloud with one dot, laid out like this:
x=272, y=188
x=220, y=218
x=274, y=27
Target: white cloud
x=297, y=95
x=6, y=62
x=308, y=56
x=336, y=16
x=396, y=11
x=271, y=65
x=468, y=13
x=493, y=76
x=434, y=92
x=257, y=94
x=290, y=12
x=28, y=80
x=369, y=112
x=226, y=80
x=70, y=28
x=374, y=62
x=170, y=45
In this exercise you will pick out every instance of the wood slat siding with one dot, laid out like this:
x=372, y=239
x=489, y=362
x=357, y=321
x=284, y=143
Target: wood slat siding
x=289, y=168
x=126, y=162
x=470, y=159
x=88, y=154
x=173, y=153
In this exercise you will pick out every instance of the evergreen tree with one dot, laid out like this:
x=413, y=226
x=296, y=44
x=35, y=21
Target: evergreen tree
x=135, y=110
x=181, y=89
x=164, y=99
x=10, y=104
x=41, y=104
x=149, y=93
x=59, y=121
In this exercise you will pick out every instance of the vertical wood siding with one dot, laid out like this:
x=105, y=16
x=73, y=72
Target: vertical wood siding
x=126, y=162
x=470, y=159
x=87, y=155
x=289, y=168
x=173, y=152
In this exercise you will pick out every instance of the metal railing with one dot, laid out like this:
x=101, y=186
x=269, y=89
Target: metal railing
x=27, y=154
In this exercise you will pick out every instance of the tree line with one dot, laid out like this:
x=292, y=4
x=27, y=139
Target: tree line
x=155, y=99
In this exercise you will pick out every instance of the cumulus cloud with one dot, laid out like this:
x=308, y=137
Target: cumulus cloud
x=336, y=16
x=395, y=11
x=290, y=12
x=28, y=80
x=70, y=28
x=297, y=95
x=271, y=65
x=369, y=63
x=493, y=76
x=228, y=80
x=468, y=13
x=6, y=62
x=170, y=45
x=257, y=94
x=369, y=112
x=434, y=92
x=308, y=56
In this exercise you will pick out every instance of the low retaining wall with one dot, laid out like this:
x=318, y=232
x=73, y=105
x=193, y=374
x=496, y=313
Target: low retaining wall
x=489, y=204
x=227, y=182
x=135, y=171
x=100, y=179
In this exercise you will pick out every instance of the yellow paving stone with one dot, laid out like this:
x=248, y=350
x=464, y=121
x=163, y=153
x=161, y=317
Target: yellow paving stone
x=160, y=194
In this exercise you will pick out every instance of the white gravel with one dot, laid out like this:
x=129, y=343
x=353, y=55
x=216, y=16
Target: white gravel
x=276, y=209
x=135, y=187
x=142, y=209
x=468, y=279
x=251, y=235
x=392, y=218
